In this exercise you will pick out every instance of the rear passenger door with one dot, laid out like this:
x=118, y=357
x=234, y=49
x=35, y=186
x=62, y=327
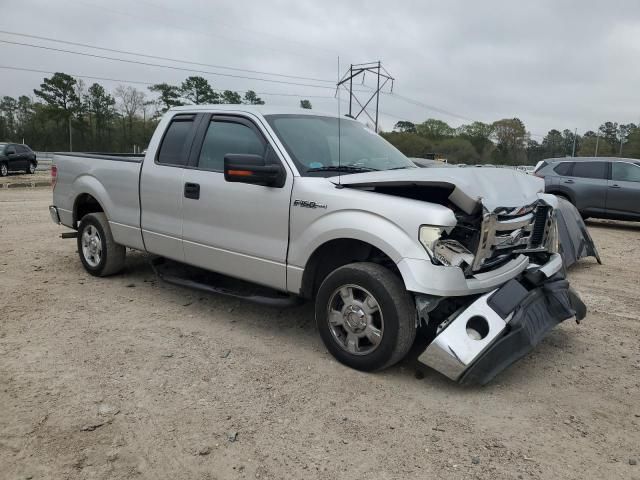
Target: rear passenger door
x=588, y=181
x=161, y=188
x=623, y=196
x=236, y=229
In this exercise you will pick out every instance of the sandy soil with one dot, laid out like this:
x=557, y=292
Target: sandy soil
x=127, y=377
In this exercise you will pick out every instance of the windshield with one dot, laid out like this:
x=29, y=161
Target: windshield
x=312, y=143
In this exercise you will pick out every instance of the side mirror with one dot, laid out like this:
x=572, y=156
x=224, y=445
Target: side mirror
x=253, y=169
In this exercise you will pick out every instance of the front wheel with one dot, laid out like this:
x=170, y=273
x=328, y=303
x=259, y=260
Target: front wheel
x=31, y=169
x=365, y=316
x=99, y=253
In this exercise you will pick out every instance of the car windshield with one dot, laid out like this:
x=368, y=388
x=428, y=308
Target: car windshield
x=312, y=143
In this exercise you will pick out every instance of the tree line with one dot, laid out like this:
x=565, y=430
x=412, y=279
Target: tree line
x=66, y=114
x=507, y=141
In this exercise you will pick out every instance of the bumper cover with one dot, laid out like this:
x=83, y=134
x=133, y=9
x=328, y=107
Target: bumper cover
x=501, y=327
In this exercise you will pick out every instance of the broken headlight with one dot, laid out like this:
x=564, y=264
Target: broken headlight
x=429, y=235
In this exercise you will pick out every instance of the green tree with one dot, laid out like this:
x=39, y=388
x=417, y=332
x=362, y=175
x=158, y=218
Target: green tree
x=231, y=97
x=458, y=150
x=8, y=108
x=434, y=129
x=101, y=110
x=511, y=137
x=411, y=144
x=404, y=126
x=479, y=134
x=609, y=132
x=169, y=95
x=306, y=104
x=59, y=95
x=250, y=98
x=197, y=90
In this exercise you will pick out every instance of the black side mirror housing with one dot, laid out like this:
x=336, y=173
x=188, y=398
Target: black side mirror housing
x=253, y=169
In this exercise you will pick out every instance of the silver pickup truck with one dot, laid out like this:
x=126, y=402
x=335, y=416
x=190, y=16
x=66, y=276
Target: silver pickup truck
x=322, y=208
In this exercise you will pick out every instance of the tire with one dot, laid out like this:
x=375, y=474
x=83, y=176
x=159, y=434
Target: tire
x=99, y=253
x=390, y=321
x=31, y=169
x=4, y=169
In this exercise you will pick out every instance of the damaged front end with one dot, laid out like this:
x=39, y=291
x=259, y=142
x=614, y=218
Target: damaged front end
x=474, y=338
x=486, y=240
x=491, y=331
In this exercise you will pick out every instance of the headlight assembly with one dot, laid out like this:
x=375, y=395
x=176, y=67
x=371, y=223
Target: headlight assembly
x=429, y=235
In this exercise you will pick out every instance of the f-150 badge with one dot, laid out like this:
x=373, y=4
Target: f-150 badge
x=308, y=204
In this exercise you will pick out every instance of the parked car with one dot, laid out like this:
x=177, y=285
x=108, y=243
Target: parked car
x=16, y=157
x=600, y=187
x=385, y=249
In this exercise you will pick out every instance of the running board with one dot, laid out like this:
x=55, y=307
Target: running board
x=272, y=301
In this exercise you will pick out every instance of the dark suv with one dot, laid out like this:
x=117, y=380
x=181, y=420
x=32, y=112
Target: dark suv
x=602, y=187
x=16, y=157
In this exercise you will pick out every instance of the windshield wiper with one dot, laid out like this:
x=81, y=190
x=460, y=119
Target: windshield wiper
x=402, y=168
x=342, y=168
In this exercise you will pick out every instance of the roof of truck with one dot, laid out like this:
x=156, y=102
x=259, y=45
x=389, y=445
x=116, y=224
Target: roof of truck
x=257, y=109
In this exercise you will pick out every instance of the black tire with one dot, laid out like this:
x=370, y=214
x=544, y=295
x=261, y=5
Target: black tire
x=112, y=255
x=395, y=305
x=4, y=169
x=31, y=168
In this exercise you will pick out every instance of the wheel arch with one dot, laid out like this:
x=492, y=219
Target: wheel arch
x=336, y=253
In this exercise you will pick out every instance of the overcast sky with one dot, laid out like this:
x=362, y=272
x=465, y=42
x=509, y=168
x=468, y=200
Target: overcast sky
x=553, y=64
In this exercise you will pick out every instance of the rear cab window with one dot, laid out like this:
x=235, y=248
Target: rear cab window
x=176, y=143
x=595, y=170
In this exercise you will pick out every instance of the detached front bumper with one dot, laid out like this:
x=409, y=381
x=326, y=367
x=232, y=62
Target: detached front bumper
x=502, y=326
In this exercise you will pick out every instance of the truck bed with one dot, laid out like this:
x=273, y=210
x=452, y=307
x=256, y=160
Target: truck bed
x=113, y=178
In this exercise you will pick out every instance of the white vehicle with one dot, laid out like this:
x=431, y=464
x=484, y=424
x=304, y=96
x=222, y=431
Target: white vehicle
x=322, y=208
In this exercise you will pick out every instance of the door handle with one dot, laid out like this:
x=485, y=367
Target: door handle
x=569, y=181
x=615, y=185
x=192, y=190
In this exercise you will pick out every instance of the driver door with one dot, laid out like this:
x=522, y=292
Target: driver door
x=237, y=229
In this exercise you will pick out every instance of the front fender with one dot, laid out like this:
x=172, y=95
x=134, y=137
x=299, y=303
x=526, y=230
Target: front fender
x=357, y=225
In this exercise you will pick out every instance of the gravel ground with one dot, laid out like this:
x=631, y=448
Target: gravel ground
x=128, y=377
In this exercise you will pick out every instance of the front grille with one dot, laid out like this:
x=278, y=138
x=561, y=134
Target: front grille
x=539, y=226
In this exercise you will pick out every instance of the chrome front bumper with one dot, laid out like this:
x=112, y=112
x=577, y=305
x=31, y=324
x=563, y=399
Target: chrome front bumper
x=501, y=326
x=55, y=216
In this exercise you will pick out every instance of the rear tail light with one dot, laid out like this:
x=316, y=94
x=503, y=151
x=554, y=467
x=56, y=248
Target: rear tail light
x=54, y=176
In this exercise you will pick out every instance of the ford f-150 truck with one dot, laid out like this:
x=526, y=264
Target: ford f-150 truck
x=322, y=208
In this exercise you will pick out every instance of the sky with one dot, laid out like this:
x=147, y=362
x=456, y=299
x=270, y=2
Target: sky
x=553, y=64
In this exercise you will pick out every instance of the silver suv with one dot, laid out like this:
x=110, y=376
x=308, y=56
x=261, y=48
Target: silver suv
x=601, y=187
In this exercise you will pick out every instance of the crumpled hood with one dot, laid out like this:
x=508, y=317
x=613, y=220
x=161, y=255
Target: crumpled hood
x=494, y=187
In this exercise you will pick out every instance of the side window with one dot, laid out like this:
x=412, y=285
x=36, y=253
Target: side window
x=590, y=170
x=625, y=172
x=225, y=137
x=21, y=149
x=174, y=149
x=10, y=149
x=563, y=168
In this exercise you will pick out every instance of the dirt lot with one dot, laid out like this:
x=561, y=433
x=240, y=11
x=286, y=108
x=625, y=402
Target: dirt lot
x=127, y=377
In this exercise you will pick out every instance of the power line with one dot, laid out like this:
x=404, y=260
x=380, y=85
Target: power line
x=171, y=67
x=157, y=57
x=191, y=30
x=139, y=82
x=235, y=27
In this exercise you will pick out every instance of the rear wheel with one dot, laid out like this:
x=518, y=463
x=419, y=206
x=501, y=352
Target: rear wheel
x=99, y=253
x=4, y=170
x=365, y=316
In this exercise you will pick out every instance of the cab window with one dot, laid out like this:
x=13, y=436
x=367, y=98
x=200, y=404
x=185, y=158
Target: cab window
x=224, y=137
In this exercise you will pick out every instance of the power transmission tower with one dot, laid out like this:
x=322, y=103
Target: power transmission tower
x=360, y=70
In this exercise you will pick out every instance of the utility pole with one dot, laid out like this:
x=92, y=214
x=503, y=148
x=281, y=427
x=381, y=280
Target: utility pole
x=359, y=69
x=597, y=141
x=575, y=137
